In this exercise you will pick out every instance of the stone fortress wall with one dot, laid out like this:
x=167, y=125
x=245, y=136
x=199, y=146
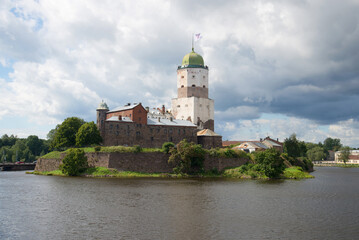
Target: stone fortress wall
x=153, y=162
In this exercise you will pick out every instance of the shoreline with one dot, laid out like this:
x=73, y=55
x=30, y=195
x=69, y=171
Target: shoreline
x=233, y=173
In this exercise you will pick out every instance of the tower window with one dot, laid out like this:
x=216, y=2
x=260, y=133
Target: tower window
x=204, y=77
x=182, y=76
x=182, y=86
x=193, y=76
x=193, y=85
x=178, y=106
x=204, y=86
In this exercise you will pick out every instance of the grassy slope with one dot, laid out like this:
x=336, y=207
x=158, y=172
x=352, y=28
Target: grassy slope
x=289, y=173
x=57, y=154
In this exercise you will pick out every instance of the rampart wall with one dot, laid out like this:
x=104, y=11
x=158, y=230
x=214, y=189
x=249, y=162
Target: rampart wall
x=154, y=162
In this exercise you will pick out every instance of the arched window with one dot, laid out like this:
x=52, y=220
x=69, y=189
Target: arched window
x=204, y=86
x=182, y=86
x=193, y=85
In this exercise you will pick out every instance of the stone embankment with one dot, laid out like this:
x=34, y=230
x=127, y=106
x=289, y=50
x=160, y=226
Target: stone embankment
x=152, y=162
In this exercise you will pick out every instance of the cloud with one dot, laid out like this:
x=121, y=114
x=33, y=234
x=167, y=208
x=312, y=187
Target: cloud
x=293, y=58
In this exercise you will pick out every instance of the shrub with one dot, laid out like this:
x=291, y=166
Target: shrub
x=213, y=152
x=74, y=163
x=167, y=146
x=137, y=149
x=187, y=158
x=97, y=148
x=271, y=162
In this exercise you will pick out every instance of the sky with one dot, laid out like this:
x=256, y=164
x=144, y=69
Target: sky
x=275, y=67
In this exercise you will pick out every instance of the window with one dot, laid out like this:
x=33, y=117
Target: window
x=165, y=131
x=204, y=86
x=152, y=139
x=139, y=119
x=193, y=76
x=204, y=77
x=178, y=106
x=138, y=134
x=193, y=85
x=186, y=105
x=182, y=86
x=117, y=126
x=182, y=76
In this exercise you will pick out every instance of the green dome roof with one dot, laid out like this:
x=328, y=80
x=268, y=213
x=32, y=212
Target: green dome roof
x=192, y=59
x=102, y=106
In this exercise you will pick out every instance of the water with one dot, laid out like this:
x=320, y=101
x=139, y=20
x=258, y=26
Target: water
x=43, y=207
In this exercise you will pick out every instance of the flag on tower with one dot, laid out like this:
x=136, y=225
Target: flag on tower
x=197, y=37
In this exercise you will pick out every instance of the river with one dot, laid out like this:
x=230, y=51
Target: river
x=49, y=207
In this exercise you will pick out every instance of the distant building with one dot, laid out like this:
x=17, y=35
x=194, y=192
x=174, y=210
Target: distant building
x=252, y=146
x=353, y=157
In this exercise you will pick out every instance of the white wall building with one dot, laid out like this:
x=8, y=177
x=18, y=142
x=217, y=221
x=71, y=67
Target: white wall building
x=353, y=157
x=192, y=102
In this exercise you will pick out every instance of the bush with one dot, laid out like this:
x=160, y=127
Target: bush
x=167, y=146
x=97, y=148
x=187, y=158
x=271, y=162
x=137, y=149
x=74, y=163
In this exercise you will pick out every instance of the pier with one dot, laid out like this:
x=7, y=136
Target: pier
x=16, y=166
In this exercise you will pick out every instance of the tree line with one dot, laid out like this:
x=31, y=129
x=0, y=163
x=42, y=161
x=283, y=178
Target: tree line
x=72, y=132
x=13, y=149
x=313, y=151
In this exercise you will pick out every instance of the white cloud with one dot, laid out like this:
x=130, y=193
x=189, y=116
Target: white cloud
x=264, y=57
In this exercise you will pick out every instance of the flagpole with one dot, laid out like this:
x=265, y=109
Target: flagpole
x=192, y=42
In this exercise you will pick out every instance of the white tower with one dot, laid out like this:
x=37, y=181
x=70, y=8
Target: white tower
x=192, y=102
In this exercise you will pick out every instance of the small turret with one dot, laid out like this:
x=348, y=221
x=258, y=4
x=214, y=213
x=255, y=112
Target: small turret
x=101, y=110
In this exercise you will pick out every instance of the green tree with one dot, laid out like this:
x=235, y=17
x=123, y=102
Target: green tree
x=187, y=157
x=88, y=134
x=65, y=135
x=7, y=140
x=74, y=163
x=344, y=154
x=332, y=144
x=316, y=154
x=270, y=161
x=291, y=146
x=34, y=144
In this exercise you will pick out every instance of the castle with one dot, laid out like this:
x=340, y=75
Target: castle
x=191, y=116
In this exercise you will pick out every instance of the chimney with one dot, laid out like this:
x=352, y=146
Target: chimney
x=120, y=117
x=163, y=109
x=277, y=140
x=260, y=139
x=135, y=103
x=171, y=119
x=147, y=109
x=128, y=104
x=159, y=119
